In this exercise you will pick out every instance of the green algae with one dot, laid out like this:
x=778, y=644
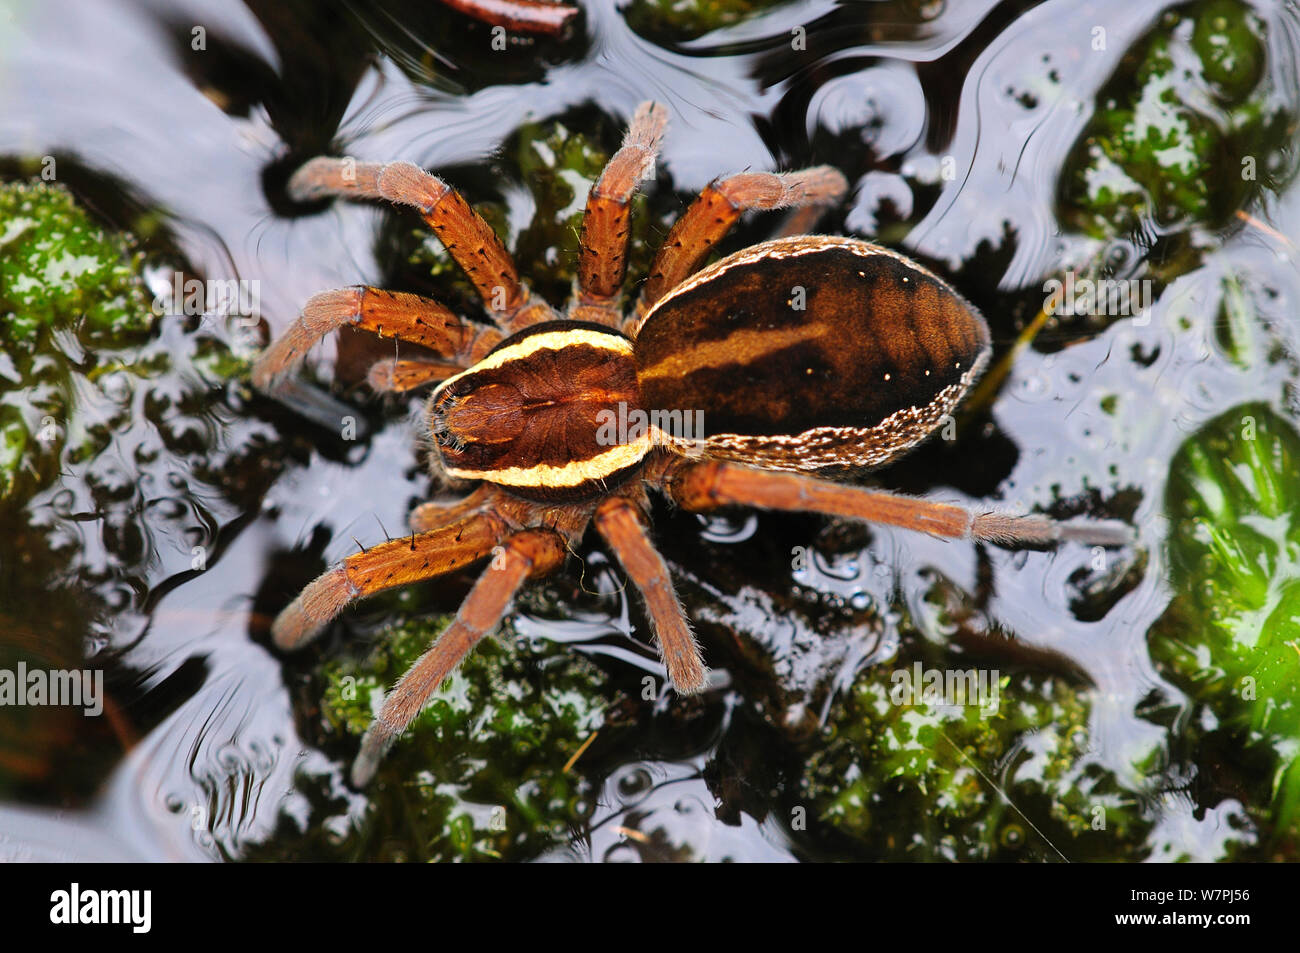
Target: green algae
x=1184, y=133
x=80, y=340
x=1014, y=780
x=1231, y=636
x=60, y=270
x=687, y=19
x=483, y=773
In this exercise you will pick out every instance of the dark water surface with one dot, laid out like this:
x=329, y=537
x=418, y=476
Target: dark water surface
x=214, y=727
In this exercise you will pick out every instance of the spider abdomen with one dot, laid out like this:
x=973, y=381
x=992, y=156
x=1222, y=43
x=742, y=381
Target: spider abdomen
x=811, y=353
x=531, y=415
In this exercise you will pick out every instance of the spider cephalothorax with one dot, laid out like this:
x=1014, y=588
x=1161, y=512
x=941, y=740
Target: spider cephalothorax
x=727, y=385
x=527, y=417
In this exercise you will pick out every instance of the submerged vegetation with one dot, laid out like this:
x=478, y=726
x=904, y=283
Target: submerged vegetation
x=1010, y=778
x=112, y=443
x=488, y=770
x=84, y=350
x=1231, y=637
x=1156, y=160
x=686, y=19
x=65, y=285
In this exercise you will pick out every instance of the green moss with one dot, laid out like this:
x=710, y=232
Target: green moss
x=79, y=339
x=1154, y=151
x=893, y=762
x=1226, y=38
x=481, y=773
x=61, y=278
x=104, y=412
x=1231, y=637
x=1237, y=328
x=686, y=19
x=60, y=270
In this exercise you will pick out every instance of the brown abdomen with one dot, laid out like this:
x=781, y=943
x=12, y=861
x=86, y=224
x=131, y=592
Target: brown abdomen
x=812, y=352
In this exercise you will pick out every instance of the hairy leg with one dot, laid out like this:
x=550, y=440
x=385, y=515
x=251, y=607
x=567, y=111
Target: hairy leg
x=386, y=566
x=398, y=376
x=705, y=486
x=603, y=262
x=525, y=555
x=469, y=240
x=718, y=208
x=624, y=527
x=406, y=317
x=800, y=221
x=435, y=515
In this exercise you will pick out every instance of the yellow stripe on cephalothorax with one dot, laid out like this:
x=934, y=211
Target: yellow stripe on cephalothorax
x=545, y=341
x=570, y=474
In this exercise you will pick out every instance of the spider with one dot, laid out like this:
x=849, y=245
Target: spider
x=804, y=356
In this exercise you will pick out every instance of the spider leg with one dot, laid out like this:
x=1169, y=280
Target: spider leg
x=390, y=565
x=623, y=526
x=800, y=221
x=406, y=317
x=520, y=16
x=525, y=555
x=435, y=515
x=718, y=208
x=398, y=376
x=708, y=485
x=469, y=240
x=603, y=261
